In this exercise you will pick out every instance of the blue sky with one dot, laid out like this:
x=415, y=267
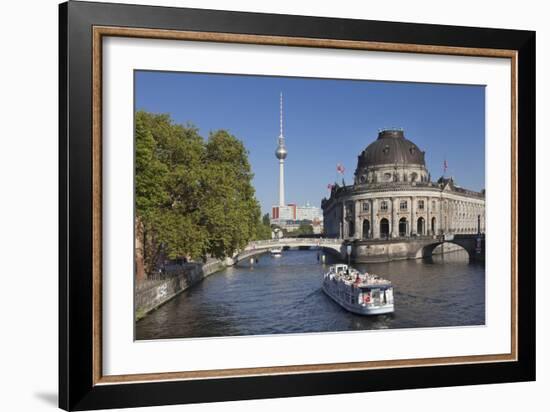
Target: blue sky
x=325, y=122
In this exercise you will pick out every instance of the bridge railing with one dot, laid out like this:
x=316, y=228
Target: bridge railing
x=291, y=241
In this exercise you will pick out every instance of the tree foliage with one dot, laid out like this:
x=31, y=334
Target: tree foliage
x=263, y=231
x=304, y=229
x=194, y=197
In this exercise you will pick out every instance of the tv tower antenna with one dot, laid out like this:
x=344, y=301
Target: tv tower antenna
x=281, y=154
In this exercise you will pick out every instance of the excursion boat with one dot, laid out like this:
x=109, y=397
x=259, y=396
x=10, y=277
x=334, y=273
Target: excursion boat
x=276, y=252
x=360, y=293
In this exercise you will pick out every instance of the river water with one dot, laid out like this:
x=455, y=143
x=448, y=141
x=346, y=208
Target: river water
x=284, y=295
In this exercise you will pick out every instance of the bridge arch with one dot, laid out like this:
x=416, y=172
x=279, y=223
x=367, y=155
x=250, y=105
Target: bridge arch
x=253, y=249
x=468, y=243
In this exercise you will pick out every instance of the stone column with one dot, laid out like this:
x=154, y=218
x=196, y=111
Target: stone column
x=394, y=220
x=344, y=224
x=374, y=226
x=450, y=213
x=412, y=223
x=447, y=216
x=358, y=225
x=440, y=205
x=429, y=218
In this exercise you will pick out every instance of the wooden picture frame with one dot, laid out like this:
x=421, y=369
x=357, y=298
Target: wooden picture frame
x=82, y=384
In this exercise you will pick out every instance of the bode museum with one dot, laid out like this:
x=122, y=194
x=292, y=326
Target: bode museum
x=393, y=202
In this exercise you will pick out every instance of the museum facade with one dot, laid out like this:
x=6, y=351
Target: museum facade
x=393, y=196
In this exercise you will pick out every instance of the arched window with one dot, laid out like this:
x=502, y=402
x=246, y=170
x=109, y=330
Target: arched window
x=384, y=228
x=420, y=226
x=403, y=226
x=366, y=229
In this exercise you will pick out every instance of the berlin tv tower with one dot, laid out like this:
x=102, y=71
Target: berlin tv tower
x=281, y=154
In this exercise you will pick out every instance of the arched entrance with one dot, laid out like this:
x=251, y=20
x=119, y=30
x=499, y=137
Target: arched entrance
x=420, y=226
x=366, y=229
x=384, y=228
x=403, y=226
x=433, y=225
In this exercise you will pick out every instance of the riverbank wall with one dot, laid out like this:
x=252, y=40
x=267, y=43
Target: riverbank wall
x=378, y=252
x=154, y=292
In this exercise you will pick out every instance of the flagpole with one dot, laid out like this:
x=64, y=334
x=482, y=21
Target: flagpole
x=340, y=169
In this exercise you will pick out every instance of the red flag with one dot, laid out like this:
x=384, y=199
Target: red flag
x=340, y=168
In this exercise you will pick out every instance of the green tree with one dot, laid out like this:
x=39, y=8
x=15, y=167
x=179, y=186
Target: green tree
x=263, y=231
x=305, y=229
x=193, y=197
x=151, y=194
x=231, y=211
x=168, y=168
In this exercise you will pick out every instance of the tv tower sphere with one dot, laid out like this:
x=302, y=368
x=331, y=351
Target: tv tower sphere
x=281, y=152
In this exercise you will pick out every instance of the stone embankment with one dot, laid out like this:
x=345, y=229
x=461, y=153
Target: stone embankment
x=159, y=289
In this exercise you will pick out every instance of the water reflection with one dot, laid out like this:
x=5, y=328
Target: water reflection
x=283, y=295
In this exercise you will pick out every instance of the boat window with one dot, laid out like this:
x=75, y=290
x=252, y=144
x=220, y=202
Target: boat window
x=389, y=294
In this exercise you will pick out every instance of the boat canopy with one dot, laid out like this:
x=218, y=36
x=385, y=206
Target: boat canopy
x=381, y=286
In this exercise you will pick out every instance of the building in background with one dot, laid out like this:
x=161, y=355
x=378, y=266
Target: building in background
x=290, y=217
x=393, y=196
x=309, y=212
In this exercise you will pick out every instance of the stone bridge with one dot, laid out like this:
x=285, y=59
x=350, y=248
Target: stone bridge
x=378, y=250
x=333, y=246
x=372, y=250
x=470, y=243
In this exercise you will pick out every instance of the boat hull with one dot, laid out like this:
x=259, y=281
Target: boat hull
x=356, y=308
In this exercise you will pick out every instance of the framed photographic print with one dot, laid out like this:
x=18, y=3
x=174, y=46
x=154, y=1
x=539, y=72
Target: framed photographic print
x=259, y=205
